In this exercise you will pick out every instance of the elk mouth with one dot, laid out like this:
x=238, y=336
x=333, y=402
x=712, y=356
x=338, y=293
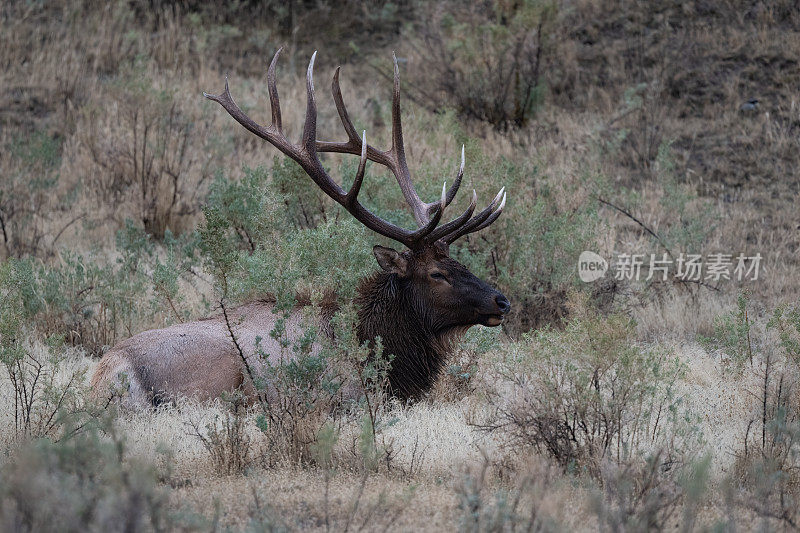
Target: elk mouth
x=492, y=320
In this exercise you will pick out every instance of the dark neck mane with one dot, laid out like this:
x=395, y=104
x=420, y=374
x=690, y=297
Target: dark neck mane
x=386, y=308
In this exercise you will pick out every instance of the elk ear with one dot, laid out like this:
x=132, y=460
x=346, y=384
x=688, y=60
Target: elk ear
x=390, y=260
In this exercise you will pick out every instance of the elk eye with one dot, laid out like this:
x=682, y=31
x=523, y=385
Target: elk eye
x=438, y=275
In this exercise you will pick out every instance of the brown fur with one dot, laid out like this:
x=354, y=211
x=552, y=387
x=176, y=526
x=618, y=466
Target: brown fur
x=419, y=321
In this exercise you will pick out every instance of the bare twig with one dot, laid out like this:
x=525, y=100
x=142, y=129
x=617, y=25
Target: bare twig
x=262, y=400
x=660, y=241
x=67, y=225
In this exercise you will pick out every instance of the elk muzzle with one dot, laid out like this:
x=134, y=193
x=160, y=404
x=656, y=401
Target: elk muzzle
x=495, y=317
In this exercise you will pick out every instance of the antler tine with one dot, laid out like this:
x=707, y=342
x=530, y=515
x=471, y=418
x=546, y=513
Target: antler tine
x=492, y=218
x=272, y=87
x=342, y=110
x=422, y=211
x=422, y=233
x=397, y=126
x=456, y=223
x=457, y=183
x=352, y=194
x=274, y=137
x=478, y=220
x=310, y=126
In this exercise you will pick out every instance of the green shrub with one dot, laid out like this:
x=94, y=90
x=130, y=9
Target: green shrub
x=646, y=495
x=767, y=468
x=87, y=482
x=684, y=222
x=518, y=507
x=688, y=220
x=257, y=241
x=771, y=477
x=589, y=393
x=296, y=398
x=91, y=302
x=45, y=389
x=732, y=334
x=785, y=321
x=304, y=202
x=243, y=208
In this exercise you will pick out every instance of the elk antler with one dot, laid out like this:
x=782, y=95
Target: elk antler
x=427, y=215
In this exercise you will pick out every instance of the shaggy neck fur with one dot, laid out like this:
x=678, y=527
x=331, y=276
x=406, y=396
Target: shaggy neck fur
x=387, y=308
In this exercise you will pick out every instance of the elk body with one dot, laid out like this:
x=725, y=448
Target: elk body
x=419, y=303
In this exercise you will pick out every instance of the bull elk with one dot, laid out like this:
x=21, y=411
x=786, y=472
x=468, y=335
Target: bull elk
x=420, y=302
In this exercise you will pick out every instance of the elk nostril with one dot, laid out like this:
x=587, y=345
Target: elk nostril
x=502, y=303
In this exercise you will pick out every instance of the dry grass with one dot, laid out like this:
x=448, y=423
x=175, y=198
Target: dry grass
x=434, y=446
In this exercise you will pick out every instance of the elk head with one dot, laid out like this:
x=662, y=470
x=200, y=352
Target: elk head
x=441, y=289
